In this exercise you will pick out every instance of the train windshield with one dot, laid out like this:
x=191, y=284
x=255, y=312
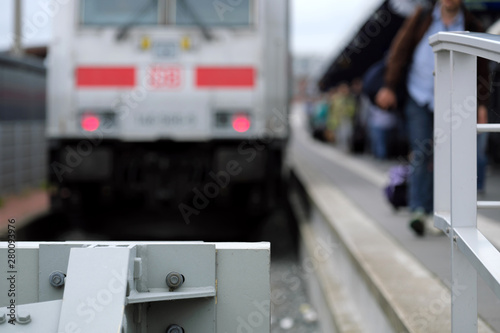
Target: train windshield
x=213, y=13
x=119, y=12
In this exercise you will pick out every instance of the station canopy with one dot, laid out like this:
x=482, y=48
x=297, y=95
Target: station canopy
x=370, y=43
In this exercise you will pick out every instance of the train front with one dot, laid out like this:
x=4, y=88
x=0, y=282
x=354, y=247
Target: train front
x=169, y=105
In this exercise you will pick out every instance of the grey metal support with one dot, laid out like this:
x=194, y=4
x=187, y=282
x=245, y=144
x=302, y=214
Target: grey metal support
x=17, y=47
x=133, y=287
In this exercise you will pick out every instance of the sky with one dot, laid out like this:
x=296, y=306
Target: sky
x=318, y=27
x=321, y=27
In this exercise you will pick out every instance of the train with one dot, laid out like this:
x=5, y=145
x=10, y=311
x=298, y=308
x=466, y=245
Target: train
x=168, y=105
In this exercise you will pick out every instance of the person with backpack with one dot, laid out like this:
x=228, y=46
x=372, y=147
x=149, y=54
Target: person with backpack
x=411, y=63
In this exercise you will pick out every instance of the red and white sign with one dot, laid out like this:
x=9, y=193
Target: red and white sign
x=105, y=77
x=162, y=77
x=225, y=77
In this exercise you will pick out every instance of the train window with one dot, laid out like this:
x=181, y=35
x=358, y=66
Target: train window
x=213, y=13
x=119, y=12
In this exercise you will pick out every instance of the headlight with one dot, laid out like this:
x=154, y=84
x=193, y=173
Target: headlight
x=239, y=121
x=92, y=121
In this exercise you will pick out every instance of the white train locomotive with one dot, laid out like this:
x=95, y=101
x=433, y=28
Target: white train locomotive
x=168, y=104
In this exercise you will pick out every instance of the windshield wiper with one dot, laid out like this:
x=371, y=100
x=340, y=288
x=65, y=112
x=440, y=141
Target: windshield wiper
x=203, y=28
x=122, y=32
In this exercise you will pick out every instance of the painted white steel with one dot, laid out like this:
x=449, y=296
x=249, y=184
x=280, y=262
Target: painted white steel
x=98, y=274
x=442, y=189
x=482, y=128
x=120, y=287
x=473, y=43
x=455, y=91
x=481, y=254
x=463, y=140
x=488, y=204
x=463, y=186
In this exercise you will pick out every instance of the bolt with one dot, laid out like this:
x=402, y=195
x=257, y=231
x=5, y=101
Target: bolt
x=3, y=317
x=23, y=317
x=56, y=279
x=174, y=280
x=448, y=230
x=175, y=329
x=455, y=238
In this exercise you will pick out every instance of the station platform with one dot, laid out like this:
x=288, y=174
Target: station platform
x=23, y=207
x=360, y=179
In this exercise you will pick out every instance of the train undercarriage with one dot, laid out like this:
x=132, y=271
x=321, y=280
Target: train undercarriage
x=164, y=177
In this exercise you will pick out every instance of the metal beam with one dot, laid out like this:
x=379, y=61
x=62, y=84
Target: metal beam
x=17, y=48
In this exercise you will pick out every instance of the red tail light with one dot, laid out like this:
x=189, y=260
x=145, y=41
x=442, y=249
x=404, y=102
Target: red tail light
x=241, y=123
x=90, y=122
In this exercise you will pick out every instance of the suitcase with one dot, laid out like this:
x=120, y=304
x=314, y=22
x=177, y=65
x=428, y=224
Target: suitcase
x=396, y=190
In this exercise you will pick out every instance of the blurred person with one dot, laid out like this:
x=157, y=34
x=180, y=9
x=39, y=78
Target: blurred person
x=309, y=107
x=359, y=137
x=482, y=162
x=410, y=49
x=342, y=108
x=330, y=122
x=319, y=117
x=382, y=124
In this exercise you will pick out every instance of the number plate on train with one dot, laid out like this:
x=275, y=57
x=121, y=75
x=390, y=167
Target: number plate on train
x=166, y=120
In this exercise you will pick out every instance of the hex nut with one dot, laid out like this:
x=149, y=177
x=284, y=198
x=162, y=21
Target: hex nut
x=56, y=279
x=174, y=280
x=175, y=329
x=23, y=317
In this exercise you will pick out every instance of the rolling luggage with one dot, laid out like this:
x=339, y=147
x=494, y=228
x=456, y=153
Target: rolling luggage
x=395, y=191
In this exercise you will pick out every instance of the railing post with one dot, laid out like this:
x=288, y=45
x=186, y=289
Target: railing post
x=442, y=133
x=463, y=121
x=456, y=115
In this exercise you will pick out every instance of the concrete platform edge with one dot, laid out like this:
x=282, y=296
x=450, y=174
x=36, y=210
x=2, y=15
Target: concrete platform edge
x=410, y=297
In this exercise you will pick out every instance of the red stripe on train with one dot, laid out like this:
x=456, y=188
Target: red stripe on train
x=122, y=77
x=225, y=77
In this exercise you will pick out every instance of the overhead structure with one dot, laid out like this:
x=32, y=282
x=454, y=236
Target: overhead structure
x=370, y=43
x=17, y=49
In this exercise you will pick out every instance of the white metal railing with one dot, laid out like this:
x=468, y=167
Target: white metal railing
x=455, y=182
